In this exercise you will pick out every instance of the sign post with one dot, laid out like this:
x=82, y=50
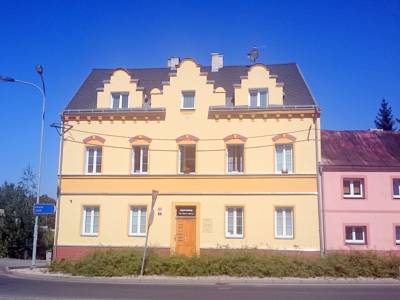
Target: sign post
x=154, y=195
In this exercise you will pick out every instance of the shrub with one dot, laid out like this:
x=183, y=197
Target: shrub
x=241, y=263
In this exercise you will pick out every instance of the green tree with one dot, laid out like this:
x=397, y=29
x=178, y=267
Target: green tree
x=17, y=219
x=384, y=119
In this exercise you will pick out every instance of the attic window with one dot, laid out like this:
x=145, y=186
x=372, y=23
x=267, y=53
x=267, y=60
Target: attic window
x=188, y=99
x=119, y=100
x=258, y=97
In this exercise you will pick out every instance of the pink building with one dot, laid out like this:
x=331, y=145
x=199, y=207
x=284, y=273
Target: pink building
x=361, y=190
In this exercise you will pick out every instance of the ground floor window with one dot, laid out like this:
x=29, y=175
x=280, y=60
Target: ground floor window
x=137, y=220
x=90, y=220
x=234, y=222
x=397, y=233
x=284, y=222
x=356, y=235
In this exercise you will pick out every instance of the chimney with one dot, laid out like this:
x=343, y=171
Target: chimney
x=173, y=62
x=217, y=61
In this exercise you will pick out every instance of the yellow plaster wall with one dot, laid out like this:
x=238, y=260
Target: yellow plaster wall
x=258, y=221
x=120, y=81
x=259, y=77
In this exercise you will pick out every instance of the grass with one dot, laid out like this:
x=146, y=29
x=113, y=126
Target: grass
x=241, y=264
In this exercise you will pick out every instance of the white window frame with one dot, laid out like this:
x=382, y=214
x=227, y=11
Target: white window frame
x=227, y=159
x=91, y=210
x=140, y=212
x=353, y=235
x=180, y=157
x=284, y=233
x=258, y=97
x=141, y=159
x=183, y=100
x=352, y=195
x=396, y=196
x=95, y=157
x=284, y=163
x=235, y=234
x=120, y=100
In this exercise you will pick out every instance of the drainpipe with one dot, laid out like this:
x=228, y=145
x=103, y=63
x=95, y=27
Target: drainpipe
x=319, y=189
x=60, y=158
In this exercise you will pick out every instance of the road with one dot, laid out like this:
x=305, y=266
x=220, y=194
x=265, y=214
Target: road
x=23, y=288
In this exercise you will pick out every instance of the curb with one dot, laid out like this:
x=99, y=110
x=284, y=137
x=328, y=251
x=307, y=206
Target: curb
x=206, y=281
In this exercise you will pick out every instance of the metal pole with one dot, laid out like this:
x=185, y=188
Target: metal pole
x=35, y=230
x=145, y=250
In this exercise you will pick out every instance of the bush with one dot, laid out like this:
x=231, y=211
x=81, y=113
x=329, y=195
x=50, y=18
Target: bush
x=241, y=264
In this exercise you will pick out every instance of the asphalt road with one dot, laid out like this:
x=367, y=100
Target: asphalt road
x=21, y=288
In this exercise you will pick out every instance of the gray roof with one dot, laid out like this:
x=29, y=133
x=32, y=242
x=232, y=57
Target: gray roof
x=295, y=88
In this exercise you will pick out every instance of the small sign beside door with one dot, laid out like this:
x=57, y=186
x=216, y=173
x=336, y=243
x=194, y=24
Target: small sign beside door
x=186, y=211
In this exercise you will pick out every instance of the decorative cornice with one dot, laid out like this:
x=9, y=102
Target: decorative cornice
x=284, y=136
x=140, y=138
x=187, y=138
x=93, y=138
x=235, y=137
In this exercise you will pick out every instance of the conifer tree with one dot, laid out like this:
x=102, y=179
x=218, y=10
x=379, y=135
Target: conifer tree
x=384, y=119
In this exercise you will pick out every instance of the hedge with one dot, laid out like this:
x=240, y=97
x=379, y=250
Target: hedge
x=241, y=264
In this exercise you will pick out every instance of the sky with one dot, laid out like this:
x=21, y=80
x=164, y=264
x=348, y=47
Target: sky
x=348, y=51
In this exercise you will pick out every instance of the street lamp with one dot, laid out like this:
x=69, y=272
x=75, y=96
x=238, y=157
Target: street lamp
x=42, y=90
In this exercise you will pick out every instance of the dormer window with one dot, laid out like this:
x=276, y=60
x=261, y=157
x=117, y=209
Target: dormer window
x=258, y=97
x=119, y=100
x=188, y=99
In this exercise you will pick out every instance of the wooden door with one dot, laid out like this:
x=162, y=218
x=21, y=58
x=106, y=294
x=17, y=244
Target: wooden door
x=186, y=236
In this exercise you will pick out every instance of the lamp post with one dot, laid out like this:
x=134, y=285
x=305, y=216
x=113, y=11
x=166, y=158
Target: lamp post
x=42, y=90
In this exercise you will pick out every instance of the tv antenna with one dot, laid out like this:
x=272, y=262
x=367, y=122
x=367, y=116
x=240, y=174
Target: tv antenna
x=254, y=53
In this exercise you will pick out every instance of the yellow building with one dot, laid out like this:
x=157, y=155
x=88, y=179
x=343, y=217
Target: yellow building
x=231, y=149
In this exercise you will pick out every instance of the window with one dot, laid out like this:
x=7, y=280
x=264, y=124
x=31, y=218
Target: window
x=187, y=157
x=284, y=223
x=258, y=98
x=234, y=222
x=356, y=235
x=397, y=233
x=188, y=99
x=93, y=160
x=235, y=158
x=353, y=188
x=137, y=220
x=90, y=221
x=284, y=158
x=396, y=188
x=140, y=156
x=119, y=100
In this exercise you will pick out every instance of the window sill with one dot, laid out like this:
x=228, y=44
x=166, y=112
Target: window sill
x=188, y=109
x=137, y=235
x=284, y=237
x=234, y=236
x=361, y=243
x=90, y=234
x=354, y=197
x=234, y=173
x=92, y=174
x=139, y=173
x=397, y=197
x=183, y=174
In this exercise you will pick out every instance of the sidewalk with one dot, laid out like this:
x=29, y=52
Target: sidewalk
x=43, y=274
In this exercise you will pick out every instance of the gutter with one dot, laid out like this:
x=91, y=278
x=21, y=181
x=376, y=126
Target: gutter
x=319, y=189
x=60, y=158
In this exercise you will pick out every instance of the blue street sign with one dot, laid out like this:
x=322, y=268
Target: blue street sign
x=44, y=209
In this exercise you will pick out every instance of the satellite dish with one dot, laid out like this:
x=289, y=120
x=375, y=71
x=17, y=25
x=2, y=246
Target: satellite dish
x=253, y=54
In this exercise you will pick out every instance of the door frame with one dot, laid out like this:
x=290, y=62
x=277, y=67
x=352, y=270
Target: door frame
x=173, y=224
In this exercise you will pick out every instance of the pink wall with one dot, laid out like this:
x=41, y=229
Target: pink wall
x=379, y=211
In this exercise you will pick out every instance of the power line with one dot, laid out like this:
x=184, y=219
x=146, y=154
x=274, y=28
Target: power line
x=197, y=150
x=202, y=139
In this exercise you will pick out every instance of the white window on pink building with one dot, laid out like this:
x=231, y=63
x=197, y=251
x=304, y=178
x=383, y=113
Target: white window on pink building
x=397, y=233
x=353, y=188
x=396, y=188
x=356, y=235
